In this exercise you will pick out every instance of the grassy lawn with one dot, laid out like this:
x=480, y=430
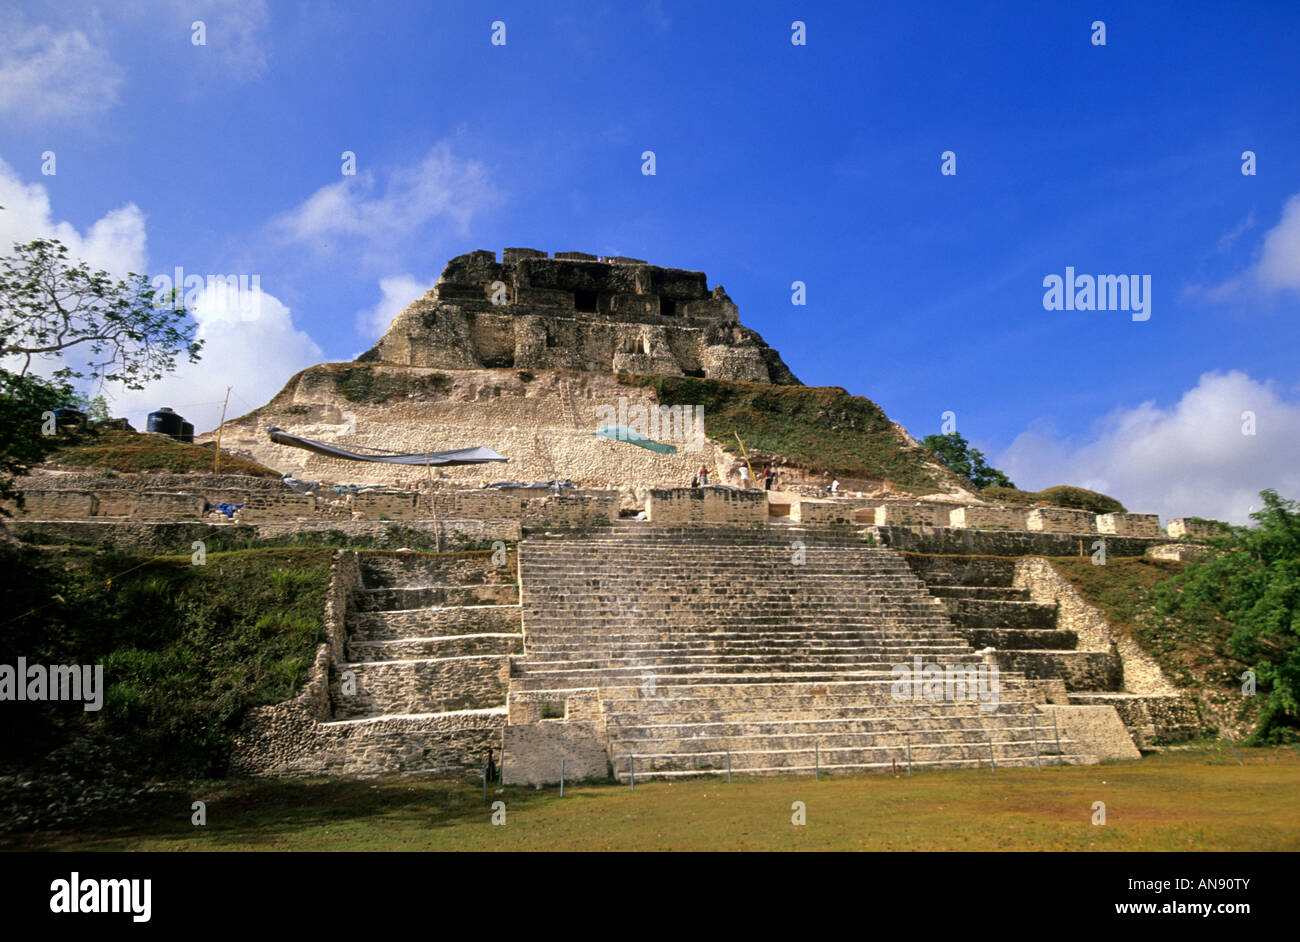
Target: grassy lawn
x=120, y=450
x=1193, y=800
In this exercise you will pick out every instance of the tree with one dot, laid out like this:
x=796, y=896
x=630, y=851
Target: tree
x=955, y=452
x=24, y=402
x=50, y=307
x=1247, y=592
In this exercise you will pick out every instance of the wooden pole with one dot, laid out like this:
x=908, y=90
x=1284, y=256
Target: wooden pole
x=744, y=454
x=216, y=457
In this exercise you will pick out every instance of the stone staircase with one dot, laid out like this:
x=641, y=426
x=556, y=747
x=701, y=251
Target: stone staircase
x=715, y=648
x=429, y=640
x=987, y=610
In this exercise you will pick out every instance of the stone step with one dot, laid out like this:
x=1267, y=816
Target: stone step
x=1020, y=639
x=435, y=647
x=1080, y=670
x=427, y=622
x=398, y=569
x=826, y=730
x=807, y=759
x=989, y=613
x=979, y=592
x=404, y=599
x=419, y=685
x=884, y=765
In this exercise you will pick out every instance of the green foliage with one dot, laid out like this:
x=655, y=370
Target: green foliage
x=124, y=332
x=821, y=428
x=23, y=402
x=186, y=649
x=1249, y=590
x=122, y=450
x=1062, y=495
x=954, y=451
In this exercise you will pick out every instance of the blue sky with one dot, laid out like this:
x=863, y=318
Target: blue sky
x=774, y=163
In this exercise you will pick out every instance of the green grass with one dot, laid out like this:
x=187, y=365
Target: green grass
x=185, y=648
x=1194, y=800
x=818, y=428
x=123, y=451
x=1063, y=495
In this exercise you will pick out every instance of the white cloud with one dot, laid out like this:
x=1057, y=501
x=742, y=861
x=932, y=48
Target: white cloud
x=54, y=76
x=252, y=346
x=115, y=243
x=1191, y=459
x=397, y=291
x=1277, y=264
x=439, y=188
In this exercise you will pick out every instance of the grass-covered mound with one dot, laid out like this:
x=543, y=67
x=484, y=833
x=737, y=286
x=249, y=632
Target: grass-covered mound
x=1063, y=495
x=127, y=451
x=185, y=648
x=817, y=428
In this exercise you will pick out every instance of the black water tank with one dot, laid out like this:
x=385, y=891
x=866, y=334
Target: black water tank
x=165, y=422
x=187, y=432
x=68, y=416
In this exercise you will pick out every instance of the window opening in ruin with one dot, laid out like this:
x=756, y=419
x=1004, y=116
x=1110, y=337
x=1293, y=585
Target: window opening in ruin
x=584, y=302
x=667, y=307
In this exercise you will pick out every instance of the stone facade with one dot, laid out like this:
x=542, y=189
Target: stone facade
x=271, y=506
x=1130, y=524
x=577, y=312
x=1062, y=520
x=906, y=513
x=713, y=506
x=153, y=506
x=989, y=518
x=1192, y=528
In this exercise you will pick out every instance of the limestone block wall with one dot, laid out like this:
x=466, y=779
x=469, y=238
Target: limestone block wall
x=1130, y=524
x=830, y=513
x=390, y=505
x=531, y=754
x=989, y=518
x=965, y=542
x=905, y=513
x=55, y=505
x=153, y=506
x=715, y=506
x=1196, y=529
x=272, y=506
x=1061, y=520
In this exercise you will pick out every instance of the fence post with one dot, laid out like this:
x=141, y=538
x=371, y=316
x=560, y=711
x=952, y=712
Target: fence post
x=631, y=771
x=728, y=765
x=1037, y=762
x=561, y=778
x=993, y=759
x=909, y=753
x=485, y=783
x=1056, y=729
x=817, y=762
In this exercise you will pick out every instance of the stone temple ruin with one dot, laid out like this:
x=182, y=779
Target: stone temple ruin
x=577, y=312
x=719, y=629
